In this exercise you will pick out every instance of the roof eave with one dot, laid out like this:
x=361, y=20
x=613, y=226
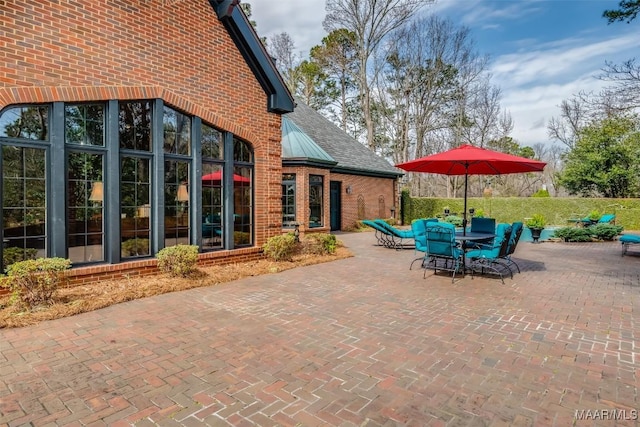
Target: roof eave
x=279, y=99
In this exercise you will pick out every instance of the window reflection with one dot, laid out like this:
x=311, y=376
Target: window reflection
x=25, y=123
x=23, y=204
x=176, y=193
x=85, y=197
x=135, y=188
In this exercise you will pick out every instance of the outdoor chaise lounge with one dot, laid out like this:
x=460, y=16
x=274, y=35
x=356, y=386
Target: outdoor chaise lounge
x=627, y=240
x=398, y=236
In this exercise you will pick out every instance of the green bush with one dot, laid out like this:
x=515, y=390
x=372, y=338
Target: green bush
x=281, y=247
x=573, y=234
x=537, y=221
x=605, y=231
x=179, y=260
x=13, y=255
x=33, y=282
x=454, y=219
x=541, y=193
x=322, y=243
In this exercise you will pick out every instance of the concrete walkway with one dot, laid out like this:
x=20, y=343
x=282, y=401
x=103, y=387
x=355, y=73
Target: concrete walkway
x=357, y=342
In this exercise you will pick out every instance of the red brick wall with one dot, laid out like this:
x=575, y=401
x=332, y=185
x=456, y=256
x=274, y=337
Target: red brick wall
x=376, y=196
x=367, y=189
x=130, y=49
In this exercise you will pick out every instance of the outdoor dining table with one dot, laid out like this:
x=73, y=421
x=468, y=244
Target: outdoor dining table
x=470, y=236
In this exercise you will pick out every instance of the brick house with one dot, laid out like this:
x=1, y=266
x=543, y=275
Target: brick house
x=330, y=180
x=128, y=126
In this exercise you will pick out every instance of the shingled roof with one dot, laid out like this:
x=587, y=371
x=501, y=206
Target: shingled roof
x=351, y=156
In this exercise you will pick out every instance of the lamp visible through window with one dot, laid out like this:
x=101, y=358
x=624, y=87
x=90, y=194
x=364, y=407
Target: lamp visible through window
x=183, y=194
x=96, y=192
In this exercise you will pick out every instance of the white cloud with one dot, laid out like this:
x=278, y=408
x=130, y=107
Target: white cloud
x=301, y=19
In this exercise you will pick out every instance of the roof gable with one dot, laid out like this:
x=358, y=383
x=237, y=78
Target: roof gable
x=279, y=99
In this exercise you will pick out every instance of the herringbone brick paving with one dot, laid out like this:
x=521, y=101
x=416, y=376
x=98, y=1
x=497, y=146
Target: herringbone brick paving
x=357, y=342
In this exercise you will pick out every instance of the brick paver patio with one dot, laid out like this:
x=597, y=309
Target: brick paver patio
x=357, y=342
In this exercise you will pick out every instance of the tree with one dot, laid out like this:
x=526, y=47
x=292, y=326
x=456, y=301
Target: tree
x=281, y=48
x=605, y=160
x=314, y=86
x=337, y=58
x=371, y=21
x=628, y=11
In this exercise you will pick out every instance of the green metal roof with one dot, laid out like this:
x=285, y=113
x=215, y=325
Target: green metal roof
x=299, y=148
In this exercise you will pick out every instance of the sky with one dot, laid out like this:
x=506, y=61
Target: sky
x=541, y=51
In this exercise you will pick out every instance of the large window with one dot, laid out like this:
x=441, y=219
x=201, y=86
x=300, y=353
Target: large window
x=117, y=178
x=85, y=197
x=212, y=201
x=135, y=207
x=24, y=203
x=242, y=193
x=24, y=135
x=316, y=200
x=288, y=200
x=176, y=201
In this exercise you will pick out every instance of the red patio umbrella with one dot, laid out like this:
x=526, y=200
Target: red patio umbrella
x=470, y=160
x=216, y=177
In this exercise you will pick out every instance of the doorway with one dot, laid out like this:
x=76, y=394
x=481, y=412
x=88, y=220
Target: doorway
x=335, y=205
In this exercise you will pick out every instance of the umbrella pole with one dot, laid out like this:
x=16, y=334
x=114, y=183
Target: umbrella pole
x=464, y=214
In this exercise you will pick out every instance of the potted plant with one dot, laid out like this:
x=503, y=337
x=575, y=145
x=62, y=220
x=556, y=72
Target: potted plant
x=536, y=224
x=594, y=216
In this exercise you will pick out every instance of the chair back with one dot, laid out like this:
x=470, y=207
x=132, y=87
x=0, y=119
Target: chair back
x=606, y=218
x=419, y=228
x=441, y=240
x=499, y=245
x=483, y=225
x=514, y=238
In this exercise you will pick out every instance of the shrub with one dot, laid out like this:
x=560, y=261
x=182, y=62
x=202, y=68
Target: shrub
x=179, y=260
x=605, y=231
x=13, y=255
x=281, y=247
x=541, y=193
x=33, y=282
x=455, y=220
x=321, y=243
x=536, y=221
x=573, y=234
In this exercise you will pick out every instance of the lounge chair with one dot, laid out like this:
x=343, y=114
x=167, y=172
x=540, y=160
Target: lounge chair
x=383, y=236
x=604, y=219
x=628, y=240
x=398, y=236
x=488, y=258
x=443, y=252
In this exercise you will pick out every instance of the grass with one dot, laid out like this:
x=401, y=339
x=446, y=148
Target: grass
x=84, y=298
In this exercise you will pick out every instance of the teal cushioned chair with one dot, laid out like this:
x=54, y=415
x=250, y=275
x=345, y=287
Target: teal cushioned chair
x=488, y=258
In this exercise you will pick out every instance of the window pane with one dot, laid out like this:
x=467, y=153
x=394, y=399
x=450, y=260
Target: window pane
x=177, y=132
x=288, y=200
x=135, y=210
x=23, y=205
x=25, y=123
x=212, y=146
x=212, y=224
x=242, y=151
x=176, y=190
x=85, y=201
x=316, y=201
x=134, y=123
x=243, y=207
x=84, y=124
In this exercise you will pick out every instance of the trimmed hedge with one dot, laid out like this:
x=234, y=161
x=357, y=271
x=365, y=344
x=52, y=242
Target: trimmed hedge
x=556, y=210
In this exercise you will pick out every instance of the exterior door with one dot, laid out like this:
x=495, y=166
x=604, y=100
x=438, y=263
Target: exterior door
x=335, y=205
